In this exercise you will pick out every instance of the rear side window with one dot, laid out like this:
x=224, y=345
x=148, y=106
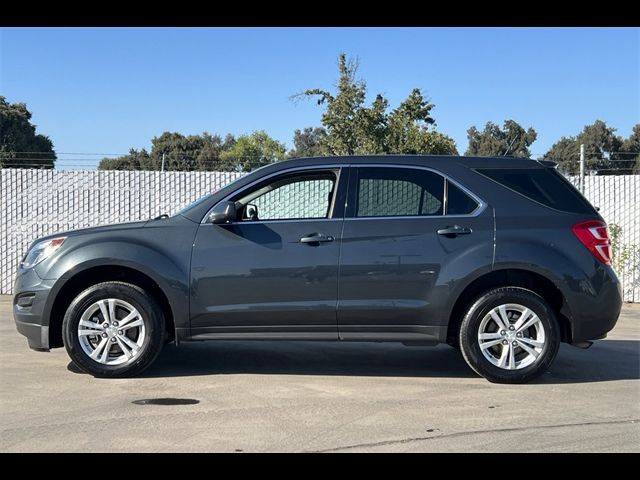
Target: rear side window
x=542, y=185
x=385, y=192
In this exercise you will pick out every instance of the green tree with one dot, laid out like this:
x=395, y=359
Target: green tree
x=601, y=147
x=512, y=140
x=134, y=160
x=186, y=153
x=408, y=129
x=308, y=143
x=20, y=145
x=627, y=159
x=252, y=151
x=180, y=152
x=353, y=128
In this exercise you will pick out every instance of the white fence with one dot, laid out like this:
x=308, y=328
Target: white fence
x=40, y=202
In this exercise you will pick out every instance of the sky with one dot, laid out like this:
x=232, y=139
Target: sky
x=106, y=90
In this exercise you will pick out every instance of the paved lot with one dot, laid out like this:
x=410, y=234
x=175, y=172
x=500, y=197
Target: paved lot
x=303, y=396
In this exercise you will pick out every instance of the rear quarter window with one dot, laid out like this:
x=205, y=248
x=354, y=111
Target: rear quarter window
x=542, y=185
x=458, y=202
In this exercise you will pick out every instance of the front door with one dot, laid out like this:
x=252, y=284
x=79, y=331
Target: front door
x=404, y=244
x=273, y=271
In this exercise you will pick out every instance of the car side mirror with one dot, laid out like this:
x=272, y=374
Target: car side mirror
x=223, y=212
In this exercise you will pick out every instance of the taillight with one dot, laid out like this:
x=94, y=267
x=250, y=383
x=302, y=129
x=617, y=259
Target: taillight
x=594, y=235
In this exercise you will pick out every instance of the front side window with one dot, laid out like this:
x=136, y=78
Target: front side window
x=385, y=192
x=294, y=196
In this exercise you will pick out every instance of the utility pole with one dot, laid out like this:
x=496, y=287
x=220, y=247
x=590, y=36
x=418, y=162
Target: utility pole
x=162, y=167
x=582, y=167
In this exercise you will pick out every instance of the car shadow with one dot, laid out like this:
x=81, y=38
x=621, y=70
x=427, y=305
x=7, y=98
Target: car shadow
x=607, y=360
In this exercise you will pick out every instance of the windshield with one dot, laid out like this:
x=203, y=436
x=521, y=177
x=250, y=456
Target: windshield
x=193, y=204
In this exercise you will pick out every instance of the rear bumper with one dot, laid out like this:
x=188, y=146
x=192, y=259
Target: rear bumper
x=29, y=307
x=596, y=309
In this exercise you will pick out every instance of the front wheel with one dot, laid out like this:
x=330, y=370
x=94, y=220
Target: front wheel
x=509, y=335
x=113, y=329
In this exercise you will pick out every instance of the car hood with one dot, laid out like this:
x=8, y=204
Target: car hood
x=98, y=229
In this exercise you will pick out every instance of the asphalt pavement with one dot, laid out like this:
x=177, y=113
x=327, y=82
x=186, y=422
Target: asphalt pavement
x=320, y=397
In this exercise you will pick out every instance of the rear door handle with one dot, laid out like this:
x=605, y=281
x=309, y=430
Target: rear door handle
x=454, y=231
x=317, y=238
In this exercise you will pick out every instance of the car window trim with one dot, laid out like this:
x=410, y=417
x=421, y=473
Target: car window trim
x=338, y=168
x=446, y=178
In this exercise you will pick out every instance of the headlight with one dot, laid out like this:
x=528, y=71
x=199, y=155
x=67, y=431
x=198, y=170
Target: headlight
x=40, y=251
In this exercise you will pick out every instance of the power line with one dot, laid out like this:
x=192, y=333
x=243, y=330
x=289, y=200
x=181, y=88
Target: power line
x=65, y=153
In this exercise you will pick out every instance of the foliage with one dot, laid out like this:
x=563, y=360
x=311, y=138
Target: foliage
x=181, y=153
x=353, y=128
x=629, y=151
x=510, y=141
x=308, y=143
x=626, y=257
x=252, y=151
x=20, y=145
x=605, y=152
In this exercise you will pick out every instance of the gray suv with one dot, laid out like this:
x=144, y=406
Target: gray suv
x=501, y=258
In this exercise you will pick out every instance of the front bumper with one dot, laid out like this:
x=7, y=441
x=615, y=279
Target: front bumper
x=30, y=308
x=37, y=335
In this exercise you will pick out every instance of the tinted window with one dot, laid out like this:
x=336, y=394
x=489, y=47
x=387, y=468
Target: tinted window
x=301, y=196
x=458, y=202
x=543, y=185
x=398, y=192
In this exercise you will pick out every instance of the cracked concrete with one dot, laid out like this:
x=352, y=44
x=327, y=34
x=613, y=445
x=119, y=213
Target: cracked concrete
x=321, y=397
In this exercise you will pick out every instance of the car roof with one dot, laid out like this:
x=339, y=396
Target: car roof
x=424, y=160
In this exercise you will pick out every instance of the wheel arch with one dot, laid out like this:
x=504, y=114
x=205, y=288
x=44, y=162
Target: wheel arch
x=92, y=275
x=511, y=277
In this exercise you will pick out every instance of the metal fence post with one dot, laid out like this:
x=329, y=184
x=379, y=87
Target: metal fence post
x=582, y=168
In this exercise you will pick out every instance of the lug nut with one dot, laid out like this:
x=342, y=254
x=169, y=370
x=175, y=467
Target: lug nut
x=104, y=335
x=512, y=328
x=105, y=324
x=503, y=333
x=504, y=342
x=518, y=335
x=113, y=340
x=515, y=344
x=115, y=324
x=119, y=332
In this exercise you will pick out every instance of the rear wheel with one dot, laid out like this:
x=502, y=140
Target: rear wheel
x=113, y=329
x=509, y=335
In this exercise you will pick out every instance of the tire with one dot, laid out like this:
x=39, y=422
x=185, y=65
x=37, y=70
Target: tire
x=537, y=345
x=125, y=357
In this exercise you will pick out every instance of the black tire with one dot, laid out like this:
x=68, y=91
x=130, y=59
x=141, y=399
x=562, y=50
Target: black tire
x=151, y=315
x=469, y=343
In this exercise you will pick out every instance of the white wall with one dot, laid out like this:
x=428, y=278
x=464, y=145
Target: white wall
x=42, y=202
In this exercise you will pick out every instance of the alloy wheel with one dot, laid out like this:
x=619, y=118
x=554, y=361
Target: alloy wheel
x=511, y=336
x=111, y=331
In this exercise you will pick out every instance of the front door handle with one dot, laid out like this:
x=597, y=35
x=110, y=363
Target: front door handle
x=316, y=238
x=454, y=231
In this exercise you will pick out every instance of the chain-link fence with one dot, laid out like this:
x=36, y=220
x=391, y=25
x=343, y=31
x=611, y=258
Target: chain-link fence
x=37, y=202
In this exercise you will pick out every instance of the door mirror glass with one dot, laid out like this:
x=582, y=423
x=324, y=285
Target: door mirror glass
x=223, y=212
x=250, y=212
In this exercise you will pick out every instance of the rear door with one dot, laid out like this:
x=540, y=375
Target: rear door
x=409, y=235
